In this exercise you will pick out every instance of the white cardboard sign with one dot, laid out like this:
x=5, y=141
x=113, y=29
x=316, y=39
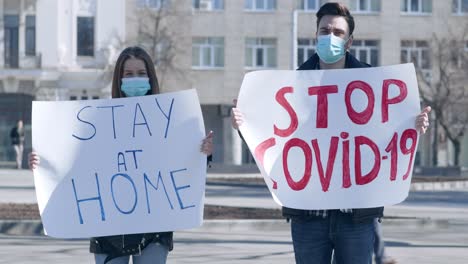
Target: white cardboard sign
x=119, y=166
x=333, y=139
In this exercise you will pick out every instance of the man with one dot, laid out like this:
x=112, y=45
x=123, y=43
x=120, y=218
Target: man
x=349, y=233
x=17, y=140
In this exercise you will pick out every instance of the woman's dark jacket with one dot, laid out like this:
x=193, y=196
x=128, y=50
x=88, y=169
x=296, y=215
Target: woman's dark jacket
x=132, y=244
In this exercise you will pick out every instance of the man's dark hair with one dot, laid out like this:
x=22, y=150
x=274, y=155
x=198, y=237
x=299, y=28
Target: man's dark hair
x=336, y=9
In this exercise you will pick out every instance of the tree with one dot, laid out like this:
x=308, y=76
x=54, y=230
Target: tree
x=446, y=91
x=159, y=33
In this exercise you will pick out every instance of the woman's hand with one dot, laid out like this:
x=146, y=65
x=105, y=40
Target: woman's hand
x=422, y=120
x=34, y=160
x=207, y=144
x=236, y=117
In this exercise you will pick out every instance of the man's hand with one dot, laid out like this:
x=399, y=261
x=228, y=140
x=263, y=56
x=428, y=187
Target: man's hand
x=422, y=120
x=34, y=160
x=207, y=144
x=236, y=117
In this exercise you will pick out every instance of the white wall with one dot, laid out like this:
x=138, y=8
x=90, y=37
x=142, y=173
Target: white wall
x=57, y=31
x=47, y=21
x=110, y=23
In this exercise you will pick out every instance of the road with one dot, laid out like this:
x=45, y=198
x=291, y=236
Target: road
x=250, y=243
x=434, y=230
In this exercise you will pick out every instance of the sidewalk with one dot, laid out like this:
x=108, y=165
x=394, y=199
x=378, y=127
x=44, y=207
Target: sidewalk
x=428, y=201
x=437, y=200
x=17, y=186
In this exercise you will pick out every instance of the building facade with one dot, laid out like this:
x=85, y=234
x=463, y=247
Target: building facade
x=213, y=43
x=53, y=50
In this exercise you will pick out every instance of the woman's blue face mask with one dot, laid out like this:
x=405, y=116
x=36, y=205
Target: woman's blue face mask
x=135, y=86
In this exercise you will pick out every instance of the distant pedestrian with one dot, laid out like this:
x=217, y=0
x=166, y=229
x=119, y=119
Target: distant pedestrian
x=380, y=255
x=17, y=140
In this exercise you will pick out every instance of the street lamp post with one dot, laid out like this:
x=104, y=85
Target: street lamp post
x=294, y=40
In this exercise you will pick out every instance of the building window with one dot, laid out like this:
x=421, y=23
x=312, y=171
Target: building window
x=260, y=5
x=73, y=98
x=417, y=52
x=207, y=52
x=156, y=4
x=416, y=6
x=305, y=50
x=366, y=51
x=208, y=5
x=365, y=6
x=460, y=7
x=85, y=36
x=310, y=5
x=11, y=40
x=30, y=37
x=260, y=53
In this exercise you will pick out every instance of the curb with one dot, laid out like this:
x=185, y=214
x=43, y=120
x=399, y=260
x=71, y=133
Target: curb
x=415, y=186
x=21, y=227
x=439, y=186
x=34, y=227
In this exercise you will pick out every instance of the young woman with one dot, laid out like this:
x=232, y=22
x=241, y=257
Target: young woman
x=134, y=75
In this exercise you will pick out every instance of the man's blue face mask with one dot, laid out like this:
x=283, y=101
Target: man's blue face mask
x=135, y=86
x=330, y=48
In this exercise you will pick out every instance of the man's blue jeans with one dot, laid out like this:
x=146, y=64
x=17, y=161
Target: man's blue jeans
x=315, y=238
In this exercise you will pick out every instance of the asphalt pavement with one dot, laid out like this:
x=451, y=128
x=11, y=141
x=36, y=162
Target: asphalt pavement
x=431, y=226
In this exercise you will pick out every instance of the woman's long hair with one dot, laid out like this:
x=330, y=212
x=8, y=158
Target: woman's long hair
x=137, y=53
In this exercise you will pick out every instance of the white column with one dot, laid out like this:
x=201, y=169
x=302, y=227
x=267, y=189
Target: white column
x=21, y=34
x=2, y=36
x=73, y=31
x=236, y=147
x=47, y=32
x=232, y=143
x=294, y=40
x=464, y=152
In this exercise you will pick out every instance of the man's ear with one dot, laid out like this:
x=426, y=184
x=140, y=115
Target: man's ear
x=349, y=42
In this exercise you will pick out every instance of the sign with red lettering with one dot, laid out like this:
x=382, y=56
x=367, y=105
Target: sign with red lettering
x=331, y=139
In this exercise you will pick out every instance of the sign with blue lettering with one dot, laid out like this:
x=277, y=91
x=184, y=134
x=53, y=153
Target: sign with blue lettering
x=119, y=166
